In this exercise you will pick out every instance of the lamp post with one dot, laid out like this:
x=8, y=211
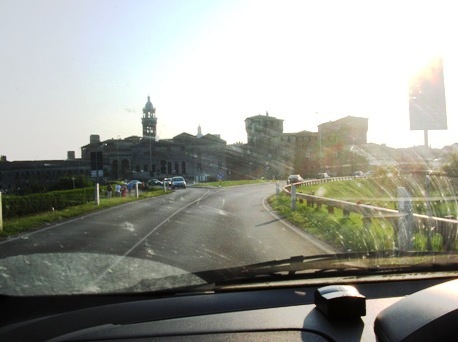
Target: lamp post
x=73, y=180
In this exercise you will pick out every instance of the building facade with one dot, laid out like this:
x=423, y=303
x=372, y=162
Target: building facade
x=269, y=153
x=273, y=153
x=338, y=143
x=200, y=157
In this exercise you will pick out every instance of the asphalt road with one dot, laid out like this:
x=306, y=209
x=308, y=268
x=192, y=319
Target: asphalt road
x=193, y=229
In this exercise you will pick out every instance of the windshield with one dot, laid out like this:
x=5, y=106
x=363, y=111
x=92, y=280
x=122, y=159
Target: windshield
x=314, y=139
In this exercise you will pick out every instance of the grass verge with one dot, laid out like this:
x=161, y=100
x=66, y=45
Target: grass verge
x=347, y=234
x=344, y=233
x=23, y=224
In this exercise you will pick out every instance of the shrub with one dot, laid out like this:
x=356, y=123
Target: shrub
x=15, y=206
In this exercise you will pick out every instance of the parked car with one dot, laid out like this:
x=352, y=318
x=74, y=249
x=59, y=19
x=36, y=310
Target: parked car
x=359, y=174
x=167, y=181
x=178, y=182
x=131, y=184
x=295, y=179
x=154, y=182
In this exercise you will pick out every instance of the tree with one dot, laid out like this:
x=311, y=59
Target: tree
x=451, y=168
x=67, y=183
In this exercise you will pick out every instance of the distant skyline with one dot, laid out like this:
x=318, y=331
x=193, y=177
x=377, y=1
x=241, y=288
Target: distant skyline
x=72, y=68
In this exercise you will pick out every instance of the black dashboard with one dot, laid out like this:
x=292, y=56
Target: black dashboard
x=288, y=313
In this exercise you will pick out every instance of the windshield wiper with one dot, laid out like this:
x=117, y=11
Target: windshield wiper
x=347, y=264
x=299, y=268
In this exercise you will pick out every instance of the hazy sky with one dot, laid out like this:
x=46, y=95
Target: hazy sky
x=72, y=68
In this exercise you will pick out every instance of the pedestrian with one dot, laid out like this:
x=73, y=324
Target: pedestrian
x=220, y=178
x=109, y=190
x=118, y=190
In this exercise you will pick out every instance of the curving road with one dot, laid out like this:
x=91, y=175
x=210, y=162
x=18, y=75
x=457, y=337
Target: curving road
x=194, y=229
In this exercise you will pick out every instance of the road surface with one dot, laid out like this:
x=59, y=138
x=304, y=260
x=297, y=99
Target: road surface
x=193, y=229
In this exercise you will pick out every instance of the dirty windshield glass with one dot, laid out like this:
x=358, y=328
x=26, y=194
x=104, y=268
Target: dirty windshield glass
x=311, y=136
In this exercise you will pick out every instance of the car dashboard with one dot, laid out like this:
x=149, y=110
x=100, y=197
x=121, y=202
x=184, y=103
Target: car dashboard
x=253, y=314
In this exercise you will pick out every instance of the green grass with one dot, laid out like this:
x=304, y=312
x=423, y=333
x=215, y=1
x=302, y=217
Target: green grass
x=22, y=224
x=344, y=233
x=350, y=233
x=346, y=189
x=382, y=192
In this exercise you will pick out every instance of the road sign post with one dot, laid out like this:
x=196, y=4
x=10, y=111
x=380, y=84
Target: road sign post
x=97, y=194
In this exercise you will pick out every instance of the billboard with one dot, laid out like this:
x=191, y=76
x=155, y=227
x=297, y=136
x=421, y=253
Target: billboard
x=427, y=98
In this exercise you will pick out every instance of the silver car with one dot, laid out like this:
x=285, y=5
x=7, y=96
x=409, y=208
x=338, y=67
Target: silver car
x=294, y=179
x=178, y=182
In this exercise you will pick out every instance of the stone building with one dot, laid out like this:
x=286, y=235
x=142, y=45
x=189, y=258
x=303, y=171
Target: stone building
x=268, y=153
x=271, y=153
x=198, y=158
x=302, y=149
x=349, y=130
x=20, y=176
x=338, y=141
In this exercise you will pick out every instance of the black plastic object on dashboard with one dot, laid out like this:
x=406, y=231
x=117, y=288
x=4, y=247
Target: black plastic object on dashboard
x=427, y=315
x=340, y=302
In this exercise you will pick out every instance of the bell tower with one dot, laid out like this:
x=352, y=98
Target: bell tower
x=149, y=120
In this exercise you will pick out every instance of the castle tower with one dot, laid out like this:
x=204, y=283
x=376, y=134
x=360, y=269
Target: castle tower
x=149, y=120
x=199, y=132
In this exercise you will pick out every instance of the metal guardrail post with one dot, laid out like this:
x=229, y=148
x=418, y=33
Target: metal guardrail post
x=293, y=197
x=448, y=229
x=406, y=221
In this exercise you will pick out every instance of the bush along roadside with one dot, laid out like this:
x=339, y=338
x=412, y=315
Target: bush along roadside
x=17, y=206
x=22, y=224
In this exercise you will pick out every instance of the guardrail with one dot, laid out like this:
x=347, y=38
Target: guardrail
x=447, y=227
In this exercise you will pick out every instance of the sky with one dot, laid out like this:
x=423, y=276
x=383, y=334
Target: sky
x=72, y=68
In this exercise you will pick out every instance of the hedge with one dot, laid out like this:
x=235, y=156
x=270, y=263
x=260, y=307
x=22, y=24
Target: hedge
x=15, y=206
